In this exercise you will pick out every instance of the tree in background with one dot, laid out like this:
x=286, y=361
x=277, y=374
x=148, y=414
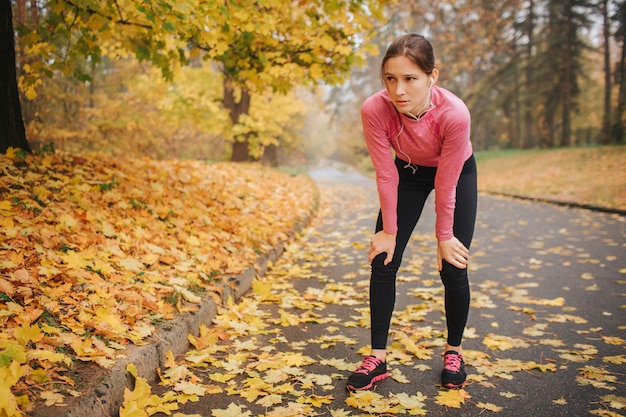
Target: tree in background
x=562, y=59
x=533, y=72
x=527, y=28
x=605, y=138
x=275, y=46
x=295, y=43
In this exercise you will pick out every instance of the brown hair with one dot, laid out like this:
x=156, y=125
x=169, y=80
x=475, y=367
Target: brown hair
x=413, y=46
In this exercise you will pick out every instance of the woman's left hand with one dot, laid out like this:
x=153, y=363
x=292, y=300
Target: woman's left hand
x=452, y=251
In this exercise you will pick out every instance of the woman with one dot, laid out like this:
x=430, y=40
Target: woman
x=428, y=130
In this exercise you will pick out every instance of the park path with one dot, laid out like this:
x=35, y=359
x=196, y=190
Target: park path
x=546, y=334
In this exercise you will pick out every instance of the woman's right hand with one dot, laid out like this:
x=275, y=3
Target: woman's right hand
x=382, y=242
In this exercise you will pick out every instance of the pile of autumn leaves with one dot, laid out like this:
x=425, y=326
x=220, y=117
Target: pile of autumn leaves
x=96, y=251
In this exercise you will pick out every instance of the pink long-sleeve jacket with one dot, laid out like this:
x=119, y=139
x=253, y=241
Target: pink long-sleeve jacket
x=441, y=138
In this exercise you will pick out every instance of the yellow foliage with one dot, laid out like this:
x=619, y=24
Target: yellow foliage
x=9, y=376
x=116, y=247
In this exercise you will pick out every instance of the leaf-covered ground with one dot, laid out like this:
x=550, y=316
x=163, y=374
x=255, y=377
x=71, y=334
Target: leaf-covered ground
x=594, y=175
x=95, y=252
x=546, y=334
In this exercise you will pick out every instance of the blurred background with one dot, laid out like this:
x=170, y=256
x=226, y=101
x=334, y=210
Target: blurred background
x=282, y=81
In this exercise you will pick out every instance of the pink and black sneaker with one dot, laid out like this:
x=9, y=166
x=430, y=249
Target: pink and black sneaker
x=371, y=370
x=453, y=374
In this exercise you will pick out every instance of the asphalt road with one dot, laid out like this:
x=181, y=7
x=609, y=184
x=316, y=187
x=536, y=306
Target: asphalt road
x=546, y=334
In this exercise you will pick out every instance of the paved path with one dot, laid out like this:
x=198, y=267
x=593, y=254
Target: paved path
x=546, y=334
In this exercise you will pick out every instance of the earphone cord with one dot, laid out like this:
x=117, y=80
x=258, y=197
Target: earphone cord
x=422, y=110
x=425, y=107
x=409, y=164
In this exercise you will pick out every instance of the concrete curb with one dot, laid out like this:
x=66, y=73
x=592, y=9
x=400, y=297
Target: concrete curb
x=106, y=398
x=560, y=203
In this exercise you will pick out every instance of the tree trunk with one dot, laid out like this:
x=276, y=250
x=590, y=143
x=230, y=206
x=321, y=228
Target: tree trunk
x=606, y=120
x=34, y=12
x=568, y=75
x=270, y=155
x=617, y=132
x=236, y=108
x=21, y=11
x=528, y=140
x=11, y=123
x=517, y=139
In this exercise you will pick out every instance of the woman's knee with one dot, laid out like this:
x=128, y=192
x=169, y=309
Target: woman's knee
x=454, y=278
x=384, y=273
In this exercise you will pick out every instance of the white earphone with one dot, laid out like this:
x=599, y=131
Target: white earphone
x=431, y=81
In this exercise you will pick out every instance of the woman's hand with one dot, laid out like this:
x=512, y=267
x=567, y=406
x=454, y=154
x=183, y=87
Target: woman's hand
x=382, y=242
x=452, y=251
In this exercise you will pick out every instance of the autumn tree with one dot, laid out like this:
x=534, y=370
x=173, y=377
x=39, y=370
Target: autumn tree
x=295, y=43
x=273, y=46
x=519, y=65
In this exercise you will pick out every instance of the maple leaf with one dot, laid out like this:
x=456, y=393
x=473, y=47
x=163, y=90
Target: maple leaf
x=541, y=367
x=46, y=355
x=12, y=352
x=233, y=410
x=362, y=399
x=489, y=407
x=262, y=289
x=189, y=388
x=313, y=380
x=218, y=377
x=619, y=359
x=421, y=351
x=251, y=394
x=140, y=402
x=619, y=403
x=340, y=364
x=596, y=377
x=316, y=400
x=604, y=413
x=7, y=287
x=397, y=376
x=503, y=342
x=613, y=340
x=296, y=359
x=270, y=400
x=340, y=413
x=52, y=398
x=291, y=410
x=412, y=403
x=452, y=398
x=74, y=260
x=9, y=375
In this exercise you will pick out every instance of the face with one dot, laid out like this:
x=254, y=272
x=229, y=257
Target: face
x=407, y=84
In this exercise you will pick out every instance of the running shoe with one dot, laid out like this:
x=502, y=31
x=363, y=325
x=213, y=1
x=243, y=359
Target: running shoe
x=371, y=370
x=453, y=374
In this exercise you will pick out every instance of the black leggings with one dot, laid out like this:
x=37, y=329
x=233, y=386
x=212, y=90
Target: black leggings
x=413, y=190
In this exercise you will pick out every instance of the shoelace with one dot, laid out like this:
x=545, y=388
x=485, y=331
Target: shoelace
x=452, y=362
x=369, y=364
